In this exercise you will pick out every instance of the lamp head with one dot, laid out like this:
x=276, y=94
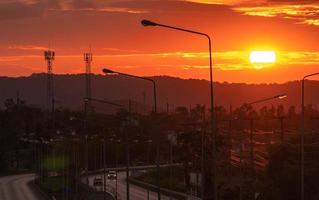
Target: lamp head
x=282, y=96
x=145, y=22
x=108, y=71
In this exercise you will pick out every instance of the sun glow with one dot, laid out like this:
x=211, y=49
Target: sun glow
x=262, y=57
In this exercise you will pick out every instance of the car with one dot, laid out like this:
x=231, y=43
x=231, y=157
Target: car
x=98, y=183
x=112, y=175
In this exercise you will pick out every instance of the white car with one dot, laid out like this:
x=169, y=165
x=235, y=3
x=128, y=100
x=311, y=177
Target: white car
x=112, y=175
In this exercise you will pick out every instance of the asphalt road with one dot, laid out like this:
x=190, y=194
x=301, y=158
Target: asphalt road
x=17, y=187
x=136, y=193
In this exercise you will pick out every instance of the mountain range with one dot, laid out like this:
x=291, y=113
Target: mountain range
x=69, y=91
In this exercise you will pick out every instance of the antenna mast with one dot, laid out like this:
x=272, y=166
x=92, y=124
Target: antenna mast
x=88, y=92
x=49, y=56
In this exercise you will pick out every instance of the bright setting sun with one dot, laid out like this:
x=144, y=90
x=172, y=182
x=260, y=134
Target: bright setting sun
x=262, y=57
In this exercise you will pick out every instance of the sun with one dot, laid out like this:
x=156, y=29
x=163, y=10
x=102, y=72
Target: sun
x=260, y=57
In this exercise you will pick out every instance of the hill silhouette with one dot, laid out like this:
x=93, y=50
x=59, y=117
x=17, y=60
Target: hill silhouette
x=70, y=89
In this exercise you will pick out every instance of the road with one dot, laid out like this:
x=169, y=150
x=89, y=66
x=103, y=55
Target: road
x=17, y=187
x=136, y=193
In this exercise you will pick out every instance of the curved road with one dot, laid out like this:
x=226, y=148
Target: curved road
x=17, y=187
x=136, y=193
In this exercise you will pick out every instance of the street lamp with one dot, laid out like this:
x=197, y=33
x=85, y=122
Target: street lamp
x=109, y=71
x=214, y=160
x=103, y=101
x=280, y=96
x=86, y=137
x=302, y=136
x=127, y=143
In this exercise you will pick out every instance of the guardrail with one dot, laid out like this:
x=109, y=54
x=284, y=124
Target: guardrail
x=174, y=194
x=119, y=169
x=88, y=192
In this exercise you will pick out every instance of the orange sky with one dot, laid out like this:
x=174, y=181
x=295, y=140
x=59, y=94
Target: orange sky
x=118, y=41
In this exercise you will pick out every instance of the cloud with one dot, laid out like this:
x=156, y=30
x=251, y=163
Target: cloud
x=18, y=10
x=121, y=10
x=90, y=6
x=83, y=4
x=312, y=22
x=223, y=60
x=304, y=12
x=27, y=47
x=253, y=2
x=299, y=58
x=293, y=1
x=228, y=2
x=286, y=11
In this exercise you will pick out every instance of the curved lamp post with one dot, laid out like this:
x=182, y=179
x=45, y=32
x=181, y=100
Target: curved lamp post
x=214, y=160
x=127, y=145
x=302, y=136
x=280, y=96
x=87, y=99
x=109, y=71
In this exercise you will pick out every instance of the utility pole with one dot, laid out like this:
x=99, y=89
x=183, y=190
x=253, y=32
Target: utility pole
x=171, y=167
x=116, y=165
x=203, y=153
x=128, y=153
x=87, y=158
x=144, y=102
x=282, y=129
x=104, y=167
x=241, y=166
x=252, y=165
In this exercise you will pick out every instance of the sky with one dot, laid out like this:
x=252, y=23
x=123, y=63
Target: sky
x=111, y=30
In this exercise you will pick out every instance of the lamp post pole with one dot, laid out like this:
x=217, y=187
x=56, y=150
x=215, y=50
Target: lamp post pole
x=302, y=137
x=127, y=144
x=104, y=167
x=108, y=71
x=126, y=138
x=282, y=130
x=213, y=132
x=251, y=134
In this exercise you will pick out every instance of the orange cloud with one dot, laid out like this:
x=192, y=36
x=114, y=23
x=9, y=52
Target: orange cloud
x=27, y=47
x=312, y=22
x=227, y=60
x=227, y=2
x=307, y=14
x=121, y=10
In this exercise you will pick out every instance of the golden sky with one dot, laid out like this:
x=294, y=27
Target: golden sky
x=118, y=41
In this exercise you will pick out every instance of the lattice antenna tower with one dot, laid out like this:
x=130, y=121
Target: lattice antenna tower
x=88, y=57
x=49, y=56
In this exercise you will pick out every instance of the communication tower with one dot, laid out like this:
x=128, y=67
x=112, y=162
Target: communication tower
x=88, y=94
x=49, y=56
